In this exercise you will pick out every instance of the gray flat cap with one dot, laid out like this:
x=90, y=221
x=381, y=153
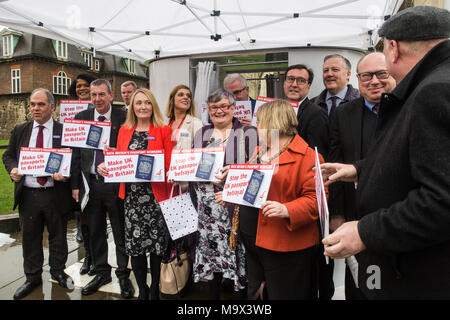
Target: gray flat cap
x=417, y=23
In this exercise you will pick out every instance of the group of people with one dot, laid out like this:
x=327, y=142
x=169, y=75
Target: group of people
x=390, y=136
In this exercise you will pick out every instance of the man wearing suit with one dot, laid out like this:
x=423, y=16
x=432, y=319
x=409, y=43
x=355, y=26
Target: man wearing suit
x=312, y=120
x=313, y=128
x=237, y=84
x=102, y=197
x=336, y=71
x=43, y=201
x=402, y=234
x=351, y=133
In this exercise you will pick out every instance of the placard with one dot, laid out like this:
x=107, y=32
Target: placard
x=321, y=200
x=248, y=184
x=34, y=161
x=243, y=110
x=261, y=100
x=123, y=166
x=68, y=109
x=184, y=164
x=76, y=133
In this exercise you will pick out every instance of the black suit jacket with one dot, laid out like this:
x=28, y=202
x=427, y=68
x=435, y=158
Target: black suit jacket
x=345, y=147
x=83, y=158
x=20, y=137
x=313, y=126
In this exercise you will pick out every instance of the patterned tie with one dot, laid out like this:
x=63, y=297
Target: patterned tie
x=376, y=108
x=99, y=156
x=333, y=107
x=40, y=144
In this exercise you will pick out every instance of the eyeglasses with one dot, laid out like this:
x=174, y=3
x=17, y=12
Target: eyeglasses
x=224, y=107
x=300, y=80
x=367, y=76
x=239, y=91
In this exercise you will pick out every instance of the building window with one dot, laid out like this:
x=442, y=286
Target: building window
x=131, y=65
x=15, y=80
x=87, y=56
x=97, y=65
x=7, y=45
x=61, y=83
x=61, y=49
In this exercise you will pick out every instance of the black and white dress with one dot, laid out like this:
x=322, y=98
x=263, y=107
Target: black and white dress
x=145, y=228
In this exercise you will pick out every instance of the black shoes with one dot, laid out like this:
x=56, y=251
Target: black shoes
x=63, y=280
x=87, y=267
x=95, y=284
x=126, y=288
x=26, y=289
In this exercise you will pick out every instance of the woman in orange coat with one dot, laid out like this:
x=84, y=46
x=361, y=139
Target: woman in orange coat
x=145, y=228
x=280, y=238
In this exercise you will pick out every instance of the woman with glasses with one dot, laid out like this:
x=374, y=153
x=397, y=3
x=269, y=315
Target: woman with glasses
x=145, y=228
x=214, y=260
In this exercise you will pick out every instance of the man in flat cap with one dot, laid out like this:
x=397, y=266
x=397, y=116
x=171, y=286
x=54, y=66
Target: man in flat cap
x=402, y=235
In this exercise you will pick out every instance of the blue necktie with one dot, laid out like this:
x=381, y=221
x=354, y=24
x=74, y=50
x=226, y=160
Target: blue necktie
x=99, y=156
x=332, y=109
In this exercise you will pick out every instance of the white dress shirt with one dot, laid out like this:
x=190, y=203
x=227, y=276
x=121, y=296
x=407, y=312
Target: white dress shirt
x=30, y=181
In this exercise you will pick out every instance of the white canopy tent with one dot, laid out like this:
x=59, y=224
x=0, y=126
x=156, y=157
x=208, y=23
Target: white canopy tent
x=143, y=29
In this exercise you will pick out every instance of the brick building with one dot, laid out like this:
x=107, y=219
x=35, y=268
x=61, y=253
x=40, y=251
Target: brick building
x=29, y=61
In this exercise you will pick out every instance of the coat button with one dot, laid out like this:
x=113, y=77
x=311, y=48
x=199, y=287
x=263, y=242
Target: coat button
x=264, y=222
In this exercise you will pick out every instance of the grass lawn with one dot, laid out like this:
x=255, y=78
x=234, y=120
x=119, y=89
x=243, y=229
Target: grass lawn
x=6, y=188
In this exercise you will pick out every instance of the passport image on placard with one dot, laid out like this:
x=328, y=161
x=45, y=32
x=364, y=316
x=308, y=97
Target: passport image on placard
x=205, y=166
x=253, y=186
x=53, y=163
x=94, y=136
x=144, y=167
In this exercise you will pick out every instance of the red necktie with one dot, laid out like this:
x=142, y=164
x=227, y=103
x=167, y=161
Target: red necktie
x=40, y=144
x=376, y=108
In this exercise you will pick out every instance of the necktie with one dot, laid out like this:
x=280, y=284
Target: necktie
x=40, y=144
x=333, y=107
x=99, y=156
x=376, y=108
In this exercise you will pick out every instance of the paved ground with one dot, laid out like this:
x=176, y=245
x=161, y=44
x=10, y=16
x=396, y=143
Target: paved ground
x=11, y=274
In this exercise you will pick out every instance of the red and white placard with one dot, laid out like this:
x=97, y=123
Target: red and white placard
x=32, y=161
x=75, y=133
x=243, y=110
x=184, y=163
x=261, y=100
x=122, y=165
x=237, y=181
x=68, y=109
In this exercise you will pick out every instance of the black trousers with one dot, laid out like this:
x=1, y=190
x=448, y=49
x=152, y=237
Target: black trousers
x=288, y=275
x=351, y=291
x=37, y=210
x=102, y=199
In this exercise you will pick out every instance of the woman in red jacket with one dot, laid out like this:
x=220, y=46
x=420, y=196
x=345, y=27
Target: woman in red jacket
x=280, y=238
x=145, y=228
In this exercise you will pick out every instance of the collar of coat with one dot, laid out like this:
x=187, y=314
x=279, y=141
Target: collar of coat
x=298, y=146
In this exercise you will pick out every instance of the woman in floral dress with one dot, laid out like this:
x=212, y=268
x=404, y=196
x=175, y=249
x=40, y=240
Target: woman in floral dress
x=214, y=260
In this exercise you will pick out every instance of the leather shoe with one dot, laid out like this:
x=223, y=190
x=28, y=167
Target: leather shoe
x=126, y=288
x=26, y=289
x=63, y=280
x=92, y=271
x=87, y=266
x=95, y=284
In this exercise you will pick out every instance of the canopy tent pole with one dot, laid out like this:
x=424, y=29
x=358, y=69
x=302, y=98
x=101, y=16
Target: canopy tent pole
x=122, y=41
x=41, y=24
x=120, y=45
